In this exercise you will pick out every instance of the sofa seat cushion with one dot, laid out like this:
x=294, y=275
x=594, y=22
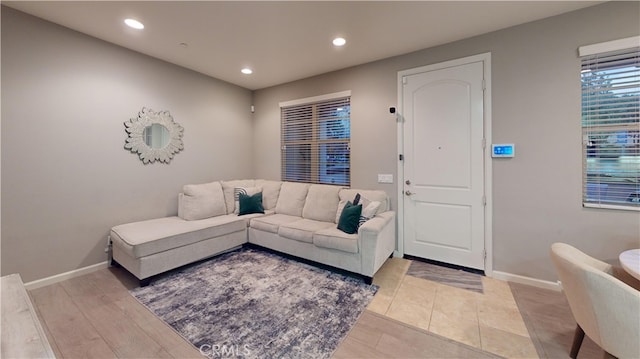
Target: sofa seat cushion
x=273, y=222
x=248, y=217
x=303, y=229
x=140, y=239
x=333, y=238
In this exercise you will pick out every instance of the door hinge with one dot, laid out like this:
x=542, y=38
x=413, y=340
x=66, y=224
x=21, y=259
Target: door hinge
x=484, y=254
x=484, y=84
x=401, y=157
x=484, y=143
x=404, y=80
x=484, y=200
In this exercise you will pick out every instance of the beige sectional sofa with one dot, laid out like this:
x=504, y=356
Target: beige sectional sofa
x=300, y=220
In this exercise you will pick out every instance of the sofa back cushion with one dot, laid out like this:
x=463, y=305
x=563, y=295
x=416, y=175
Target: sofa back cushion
x=321, y=203
x=270, y=192
x=229, y=187
x=291, y=198
x=200, y=201
x=371, y=195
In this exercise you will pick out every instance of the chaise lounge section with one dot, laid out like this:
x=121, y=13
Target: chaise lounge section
x=299, y=219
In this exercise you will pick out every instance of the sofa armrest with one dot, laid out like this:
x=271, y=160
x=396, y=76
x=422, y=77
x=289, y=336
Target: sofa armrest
x=377, y=240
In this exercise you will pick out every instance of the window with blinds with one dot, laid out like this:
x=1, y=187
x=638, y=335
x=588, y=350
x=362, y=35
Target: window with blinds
x=611, y=127
x=315, y=141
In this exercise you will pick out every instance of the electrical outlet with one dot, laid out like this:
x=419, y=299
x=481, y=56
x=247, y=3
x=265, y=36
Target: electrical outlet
x=385, y=178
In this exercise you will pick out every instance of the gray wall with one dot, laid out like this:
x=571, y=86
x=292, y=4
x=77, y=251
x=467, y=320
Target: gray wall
x=66, y=177
x=536, y=105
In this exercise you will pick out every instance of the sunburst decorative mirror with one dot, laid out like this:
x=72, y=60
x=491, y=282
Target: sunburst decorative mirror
x=154, y=136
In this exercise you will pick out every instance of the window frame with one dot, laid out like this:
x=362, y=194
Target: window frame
x=315, y=142
x=600, y=60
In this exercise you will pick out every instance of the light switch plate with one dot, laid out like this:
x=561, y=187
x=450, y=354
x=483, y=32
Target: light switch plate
x=385, y=178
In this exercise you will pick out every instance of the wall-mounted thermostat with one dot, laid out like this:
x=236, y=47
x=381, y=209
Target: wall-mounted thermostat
x=503, y=150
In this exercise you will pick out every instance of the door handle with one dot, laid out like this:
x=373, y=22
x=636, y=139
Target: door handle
x=408, y=193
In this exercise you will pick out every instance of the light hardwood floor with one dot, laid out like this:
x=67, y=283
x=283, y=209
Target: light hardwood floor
x=94, y=316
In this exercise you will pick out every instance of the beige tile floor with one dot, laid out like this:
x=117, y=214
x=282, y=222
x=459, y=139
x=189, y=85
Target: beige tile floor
x=489, y=321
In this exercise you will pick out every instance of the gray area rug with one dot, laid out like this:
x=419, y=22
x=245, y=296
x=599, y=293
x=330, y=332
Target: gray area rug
x=255, y=304
x=449, y=276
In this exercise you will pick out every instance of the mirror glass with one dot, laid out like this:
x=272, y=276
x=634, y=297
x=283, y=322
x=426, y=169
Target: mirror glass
x=156, y=136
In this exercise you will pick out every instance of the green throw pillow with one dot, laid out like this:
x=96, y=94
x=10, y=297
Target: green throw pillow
x=250, y=204
x=349, y=218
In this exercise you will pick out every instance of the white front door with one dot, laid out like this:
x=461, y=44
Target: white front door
x=443, y=149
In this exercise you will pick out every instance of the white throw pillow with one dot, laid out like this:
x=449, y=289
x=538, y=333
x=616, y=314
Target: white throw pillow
x=341, y=205
x=372, y=195
x=229, y=186
x=249, y=191
x=368, y=211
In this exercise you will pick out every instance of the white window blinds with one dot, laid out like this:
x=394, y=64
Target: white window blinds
x=611, y=127
x=315, y=141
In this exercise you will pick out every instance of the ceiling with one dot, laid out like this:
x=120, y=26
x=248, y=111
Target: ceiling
x=290, y=40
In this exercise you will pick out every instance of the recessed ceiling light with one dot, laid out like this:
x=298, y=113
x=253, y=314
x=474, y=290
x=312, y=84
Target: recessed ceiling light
x=134, y=24
x=246, y=71
x=339, y=41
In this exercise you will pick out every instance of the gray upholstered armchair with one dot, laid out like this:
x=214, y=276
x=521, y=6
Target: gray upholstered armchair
x=605, y=308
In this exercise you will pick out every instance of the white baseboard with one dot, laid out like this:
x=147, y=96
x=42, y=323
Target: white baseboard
x=64, y=276
x=539, y=283
x=556, y=286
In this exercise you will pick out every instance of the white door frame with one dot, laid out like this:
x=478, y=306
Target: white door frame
x=488, y=218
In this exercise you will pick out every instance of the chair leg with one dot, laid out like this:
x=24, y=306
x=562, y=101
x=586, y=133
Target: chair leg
x=578, y=337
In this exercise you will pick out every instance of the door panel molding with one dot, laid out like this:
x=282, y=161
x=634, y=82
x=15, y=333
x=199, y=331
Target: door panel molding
x=485, y=58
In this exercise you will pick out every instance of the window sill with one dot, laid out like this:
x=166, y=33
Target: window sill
x=611, y=206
